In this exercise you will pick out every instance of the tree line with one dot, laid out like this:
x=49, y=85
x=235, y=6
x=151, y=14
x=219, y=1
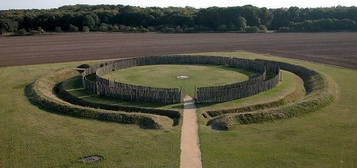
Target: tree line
x=119, y=18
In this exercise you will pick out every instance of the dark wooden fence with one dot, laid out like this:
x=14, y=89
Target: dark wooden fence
x=131, y=92
x=101, y=86
x=267, y=77
x=260, y=83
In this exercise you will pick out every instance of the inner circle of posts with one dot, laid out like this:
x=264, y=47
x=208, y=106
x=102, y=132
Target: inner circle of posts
x=267, y=77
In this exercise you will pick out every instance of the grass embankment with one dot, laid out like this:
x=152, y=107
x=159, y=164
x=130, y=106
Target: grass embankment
x=32, y=137
x=320, y=92
x=41, y=93
x=324, y=138
x=289, y=89
x=65, y=89
x=165, y=76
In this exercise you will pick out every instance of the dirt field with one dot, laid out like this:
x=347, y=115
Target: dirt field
x=330, y=48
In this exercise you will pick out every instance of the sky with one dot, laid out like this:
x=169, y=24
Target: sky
x=45, y=4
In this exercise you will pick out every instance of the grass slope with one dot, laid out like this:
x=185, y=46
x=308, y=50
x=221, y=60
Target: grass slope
x=289, y=84
x=166, y=76
x=325, y=138
x=31, y=137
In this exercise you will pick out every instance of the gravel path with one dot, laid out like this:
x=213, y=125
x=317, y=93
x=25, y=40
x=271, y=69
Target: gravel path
x=190, y=148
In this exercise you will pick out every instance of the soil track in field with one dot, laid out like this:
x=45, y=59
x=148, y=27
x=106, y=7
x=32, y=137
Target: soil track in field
x=330, y=48
x=190, y=149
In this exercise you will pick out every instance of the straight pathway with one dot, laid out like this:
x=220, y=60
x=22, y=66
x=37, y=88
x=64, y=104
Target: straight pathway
x=190, y=148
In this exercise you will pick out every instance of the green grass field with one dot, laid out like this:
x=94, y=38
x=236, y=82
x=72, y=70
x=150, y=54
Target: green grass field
x=31, y=137
x=166, y=76
x=326, y=138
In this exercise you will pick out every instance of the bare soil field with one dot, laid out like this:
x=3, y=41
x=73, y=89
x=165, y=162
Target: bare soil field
x=331, y=48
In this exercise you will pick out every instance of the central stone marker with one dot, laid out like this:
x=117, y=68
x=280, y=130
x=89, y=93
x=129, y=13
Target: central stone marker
x=182, y=77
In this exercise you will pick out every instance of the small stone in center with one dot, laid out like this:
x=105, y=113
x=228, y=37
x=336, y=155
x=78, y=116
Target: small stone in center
x=182, y=77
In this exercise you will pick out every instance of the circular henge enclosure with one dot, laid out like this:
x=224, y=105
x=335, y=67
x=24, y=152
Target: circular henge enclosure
x=187, y=77
x=267, y=77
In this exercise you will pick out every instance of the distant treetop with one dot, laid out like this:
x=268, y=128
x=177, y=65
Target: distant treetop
x=177, y=19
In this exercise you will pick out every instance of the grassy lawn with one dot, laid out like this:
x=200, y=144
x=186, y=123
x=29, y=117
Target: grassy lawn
x=166, y=76
x=31, y=137
x=325, y=138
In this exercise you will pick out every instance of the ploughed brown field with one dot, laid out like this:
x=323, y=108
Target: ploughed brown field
x=330, y=48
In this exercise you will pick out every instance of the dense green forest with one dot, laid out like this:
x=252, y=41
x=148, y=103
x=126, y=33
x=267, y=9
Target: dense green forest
x=119, y=18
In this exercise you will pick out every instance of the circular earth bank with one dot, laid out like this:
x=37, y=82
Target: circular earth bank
x=165, y=76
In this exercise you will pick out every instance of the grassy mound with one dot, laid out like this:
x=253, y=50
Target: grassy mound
x=320, y=92
x=65, y=88
x=289, y=90
x=41, y=93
